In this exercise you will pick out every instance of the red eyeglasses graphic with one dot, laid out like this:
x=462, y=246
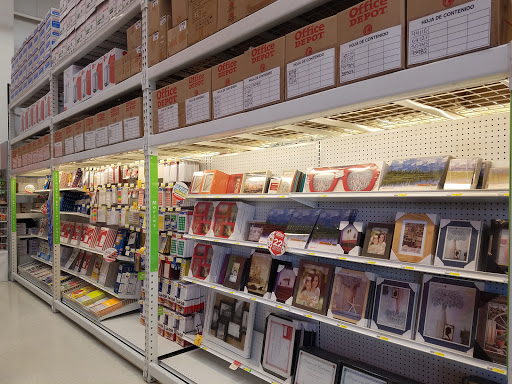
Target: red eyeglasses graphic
x=355, y=178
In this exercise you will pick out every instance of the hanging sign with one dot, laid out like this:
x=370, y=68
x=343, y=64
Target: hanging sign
x=276, y=243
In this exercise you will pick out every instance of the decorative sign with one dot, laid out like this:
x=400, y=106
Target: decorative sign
x=276, y=243
x=180, y=191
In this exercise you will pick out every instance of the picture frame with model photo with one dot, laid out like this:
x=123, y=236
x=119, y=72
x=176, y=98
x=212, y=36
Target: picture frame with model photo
x=202, y=258
x=235, y=272
x=202, y=218
x=448, y=316
x=259, y=273
x=195, y=185
x=282, y=280
x=492, y=330
x=350, y=297
x=498, y=257
x=229, y=323
x=415, y=238
x=395, y=305
x=254, y=230
x=255, y=182
x=224, y=219
x=313, y=286
x=378, y=240
x=458, y=244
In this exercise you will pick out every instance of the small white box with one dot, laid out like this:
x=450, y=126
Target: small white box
x=69, y=85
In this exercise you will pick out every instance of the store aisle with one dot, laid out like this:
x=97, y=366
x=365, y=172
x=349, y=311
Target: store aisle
x=38, y=346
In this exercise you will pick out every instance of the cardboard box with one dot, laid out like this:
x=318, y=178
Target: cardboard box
x=438, y=29
x=134, y=36
x=107, y=67
x=177, y=39
x=157, y=43
x=179, y=12
x=115, y=125
x=77, y=87
x=166, y=114
x=195, y=103
x=263, y=71
x=376, y=38
x=58, y=145
x=202, y=20
x=78, y=136
x=120, y=68
x=312, y=58
x=89, y=133
x=156, y=10
x=69, y=72
x=136, y=61
x=231, y=11
x=87, y=82
x=46, y=147
x=133, y=121
x=228, y=87
x=101, y=128
x=69, y=147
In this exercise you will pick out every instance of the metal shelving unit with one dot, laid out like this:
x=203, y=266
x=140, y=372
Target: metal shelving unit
x=268, y=131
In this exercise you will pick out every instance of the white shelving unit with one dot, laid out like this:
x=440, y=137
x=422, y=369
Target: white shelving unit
x=480, y=131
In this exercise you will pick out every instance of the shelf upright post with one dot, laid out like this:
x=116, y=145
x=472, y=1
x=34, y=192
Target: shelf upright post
x=54, y=196
x=509, y=359
x=151, y=213
x=11, y=218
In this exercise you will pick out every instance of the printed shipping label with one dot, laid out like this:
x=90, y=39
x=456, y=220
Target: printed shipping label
x=79, y=142
x=311, y=73
x=68, y=146
x=131, y=128
x=115, y=133
x=168, y=118
x=228, y=100
x=449, y=32
x=198, y=108
x=263, y=88
x=381, y=51
x=90, y=140
x=102, y=136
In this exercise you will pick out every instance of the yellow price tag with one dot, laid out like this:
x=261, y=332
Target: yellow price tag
x=237, y=243
x=280, y=306
x=454, y=273
x=247, y=369
x=456, y=194
x=506, y=194
x=383, y=338
x=282, y=197
x=343, y=326
x=309, y=316
x=323, y=195
x=231, y=292
x=311, y=253
x=372, y=262
x=497, y=370
x=439, y=354
x=343, y=258
x=198, y=340
x=252, y=298
x=411, y=268
x=204, y=348
x=402, y=195
x=213, y=287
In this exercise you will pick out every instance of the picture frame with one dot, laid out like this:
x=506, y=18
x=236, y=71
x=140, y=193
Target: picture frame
x=395, y=306
x=300, y=226
x=221, y=330
x=313, y=286
x=259, y=273
x=447, y=314
x=463, y=173
x=378, y=240
x=224, y=219
x=498, y=258
x=197, y=181
x=202, y=218
x=492, y=330
x=226, y=309
x=255, y=182
x=235, y=272
x=498, y=176
x=458, y=244
x=235, y=330
x=215, y=318
x=317, y=366
x=214, y=181
x=282, y=280
x=351, y=237
x=326, y=234
x=234, y=183
x=351, y=295
x=277, y=220
x=202, y=258
x=254, y=229
x=288, y=182
x=415, y=238
x=351, y=375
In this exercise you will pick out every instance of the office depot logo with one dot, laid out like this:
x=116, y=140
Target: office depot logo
x=368, y=29
x=309, y=34
x=196, y=81
x=368, y=10
x=167, y=96
x=263, y=52
x=448, y=3
x=227, y=68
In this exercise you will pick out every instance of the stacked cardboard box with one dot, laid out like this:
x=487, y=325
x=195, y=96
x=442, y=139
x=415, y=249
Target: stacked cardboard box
x=32, y=153
x=36, y=113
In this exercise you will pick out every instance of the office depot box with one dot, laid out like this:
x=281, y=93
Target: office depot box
x=102, y=15
x=115, y=125
x=69, y=147
x=372, y=40
x=230, y=11
x=46, y=147
x=89, y=133
x=179, y=12
x=195, y=103
x=166, y=114
x=228, y=87
x=264, y=75
x=157, y=43
x=80, y=35
x=177, y=38
x=311, y=58
x=133, y=122
x=134, y=36
x=156, y=10
x=101, y=128
x=90, y=25
x=202, y=20
x=78, y=136
x=438, y=29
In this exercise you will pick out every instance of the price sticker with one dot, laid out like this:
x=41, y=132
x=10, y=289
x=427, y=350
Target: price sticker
x=343, y=326
x=253, y=299
x=198, y=340
x=402, y=195
x=453, y=273
x=456, y=194
x=237, y=243
x=160, y=311
x=497, y=370
x=343, y=258
x=276, y=243
x=372, y=262
x=248, y=369
x=213, y=287
x=232, y=292
x=438, y=354
x=410, y=268
x=383, y=338
x=323, y=195
x=311, y=253
x=235, y=365
x=279, y=306
x=309, y=316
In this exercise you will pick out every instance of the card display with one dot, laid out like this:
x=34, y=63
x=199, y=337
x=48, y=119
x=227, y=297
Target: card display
x=313, y=286
x=458, y=244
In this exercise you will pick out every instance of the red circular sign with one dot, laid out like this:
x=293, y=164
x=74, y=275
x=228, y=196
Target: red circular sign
x=276, y=243
x=448, y=3
x=367, y=29
x=309, y=51
x=227, y=82
x=262, y=68
x=196, y=92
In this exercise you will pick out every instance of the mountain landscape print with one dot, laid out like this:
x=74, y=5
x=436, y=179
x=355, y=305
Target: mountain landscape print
x=417, y=173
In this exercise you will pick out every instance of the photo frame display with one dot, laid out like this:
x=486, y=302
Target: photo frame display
x=282, y=280
x=313, y=286
x=254, y=229
x=378, y=240
x=234, y=183
x=326, y=234
x=277, y=220
x=351, y=295
x=498, y=175
x=414, y=238
x=492, y=329
x=463, y=173
x=259, y=273
x=279, y=346
x=498, y=257
x=289, y=181
x=448, y=316
x=202, y=218
x=255, y=182
x=195, y=185
x=351, y=237
x=235, y=272
x=458, y=244
x=351, y=375
x=224, y=219
x=395, y=306
x=317, y=366
x=214, y=182
x=300, y=226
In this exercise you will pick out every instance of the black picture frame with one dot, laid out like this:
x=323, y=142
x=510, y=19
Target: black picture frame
x=372, y=228
x=225, y=306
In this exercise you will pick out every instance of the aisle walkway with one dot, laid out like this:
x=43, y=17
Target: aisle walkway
x=40, y=347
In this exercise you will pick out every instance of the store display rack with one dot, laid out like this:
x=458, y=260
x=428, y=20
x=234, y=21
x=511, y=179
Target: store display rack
x=260, y=127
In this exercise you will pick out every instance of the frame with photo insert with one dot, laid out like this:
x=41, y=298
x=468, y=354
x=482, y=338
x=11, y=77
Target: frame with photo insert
x=458, y=244
x=307, y=294
x=373, y=247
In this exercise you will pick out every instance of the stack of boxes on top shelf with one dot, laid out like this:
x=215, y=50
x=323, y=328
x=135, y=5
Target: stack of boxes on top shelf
x=33, y=59
x=80, y=21
x=34, y=152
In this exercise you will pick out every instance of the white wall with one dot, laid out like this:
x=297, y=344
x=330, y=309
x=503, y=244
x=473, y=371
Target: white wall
x=22, y=28
x=6, y=49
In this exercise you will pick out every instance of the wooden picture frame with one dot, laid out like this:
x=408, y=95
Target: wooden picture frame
x=378, y=240
x=313, y=286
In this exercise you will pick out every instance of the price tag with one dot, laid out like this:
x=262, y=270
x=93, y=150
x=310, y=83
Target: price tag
x=323, y=195
x=309, y=316
x=237, y=243
x=453, y=273
x=198, y=340
x=276, y=243
x=410, y=268
x=343, y=258
x=402, y=195
x=311, y=253
x=235, y=365
x=343, y=326
x=383, y=338
x=438, y=353
x=213, y=287
x=279, y=306
x=232, y=292
x=252, y=298
x=497, y=370
x=372, y=262
x=141, y=275
x=456, y=194
x=160, y=311
x=247, y=369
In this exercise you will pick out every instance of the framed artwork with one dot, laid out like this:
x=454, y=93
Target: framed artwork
x=395, y=305
x=425, y=173
x=463, y=173
x=351, y=237
x=229, y=323
x=498, y=177
x=317, y=366
x=202, y=218
x=195, y=185
x=414, y=239
x=378, y=240
x=351, y=375
x=498, y=255
x=300, y=227
x=350, y=295
x=234, y=183
x=224, y=219
x=351, y=178
x=448, y=315
x=201, y=261
x=492, y=331
x=279, y=346
x=254, y=230
x=288, y=182
x=458, y=244
x=313, y=286
x=235, y=272
x=282, y=280
x=206, y=186
x=214, y=182
x=277, y=220
x=255, y=182
x=326, y=234
x=259, y=273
